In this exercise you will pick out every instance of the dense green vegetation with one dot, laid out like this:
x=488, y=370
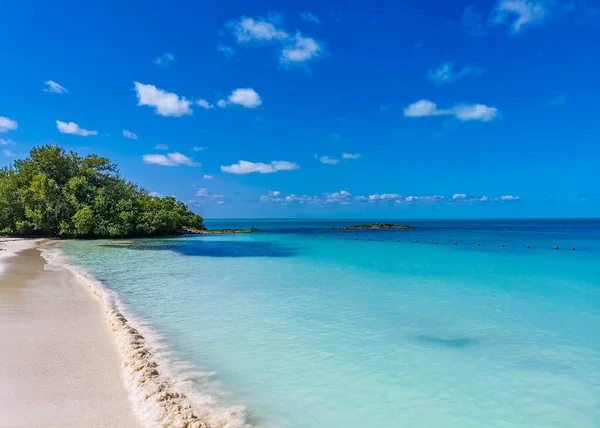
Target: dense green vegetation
x=55, y=193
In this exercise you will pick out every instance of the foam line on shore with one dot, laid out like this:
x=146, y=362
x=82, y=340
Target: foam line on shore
x=162, y=390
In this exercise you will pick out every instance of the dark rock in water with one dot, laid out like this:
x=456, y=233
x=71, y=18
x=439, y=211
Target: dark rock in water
x=377, y=226
x=460, y=342
x=219, y=231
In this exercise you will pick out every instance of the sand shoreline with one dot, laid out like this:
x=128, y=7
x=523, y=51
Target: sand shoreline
x=63, y=331
x=59, y=364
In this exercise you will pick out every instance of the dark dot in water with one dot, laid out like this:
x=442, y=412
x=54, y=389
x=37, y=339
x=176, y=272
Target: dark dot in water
x=416, y=240
x=529, y=246
x=556, y=248
x=435, y=242
x=455, y=242
x=573, y=249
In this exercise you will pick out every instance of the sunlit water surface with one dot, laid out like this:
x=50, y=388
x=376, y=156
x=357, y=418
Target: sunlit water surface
x=316, y=331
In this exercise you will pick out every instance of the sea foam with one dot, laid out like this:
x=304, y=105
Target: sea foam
x=163, y=391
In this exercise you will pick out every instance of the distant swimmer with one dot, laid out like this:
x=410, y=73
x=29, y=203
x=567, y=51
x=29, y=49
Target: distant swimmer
x=556, y=248
x=573, y=249
x=479, y=244
x=416, y=240
x=503, y=245
x=435, y=242
x=529, y=246
x=455, y=242
x=397, y=240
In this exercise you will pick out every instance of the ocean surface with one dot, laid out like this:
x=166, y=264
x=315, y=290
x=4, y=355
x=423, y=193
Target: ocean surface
x=308, y=326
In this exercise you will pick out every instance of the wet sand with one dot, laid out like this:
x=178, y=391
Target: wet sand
x=59, y=364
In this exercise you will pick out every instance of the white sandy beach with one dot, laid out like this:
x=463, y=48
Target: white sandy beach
x=59, y=364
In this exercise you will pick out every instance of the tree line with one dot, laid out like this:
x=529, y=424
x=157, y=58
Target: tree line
x=58, y=194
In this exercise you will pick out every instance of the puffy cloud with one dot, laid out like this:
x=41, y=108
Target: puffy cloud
x=258, y=30
x=73, y=128
x=445, y=73
x=129, y=134
x=8, y=153
x=295, y=49
x=170, y=159
x=420, y=108
x=509, y=198
x=246, y=97
x=204, y=104
x=458, y=196
x=164, y=103
x=207, y=177
x=327, y=160
x=54, y=88
x=4, y=142
x=350, y=155
x=518, y=14
x=245, y=167
x=205, y=193
x=309, y=17
x=464, y=112
x=164, y=60
x=302, y=49
x=161, y=147
x=383, y=197
x=7, y=124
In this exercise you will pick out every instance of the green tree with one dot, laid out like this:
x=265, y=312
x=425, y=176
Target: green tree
x=55, y=193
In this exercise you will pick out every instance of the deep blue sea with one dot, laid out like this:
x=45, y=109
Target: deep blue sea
x=309, y=326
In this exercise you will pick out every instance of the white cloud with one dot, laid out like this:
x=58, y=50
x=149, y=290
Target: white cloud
x=343, y=197
x=445, y=73
x=129, y=134
x=295, y=49
x=301, y=50
x=53, y=87
x=420, y=108
x=7, y=124
x=4, y=142
x=245, y=167
x=8, y=153
x=205, y=193
x=165, y=103
x=327, y=160
x=161, y=147
x=198, y=149
x=350, y=155
x=257, y=30
x=464, y=112
x=164, y=60
x=204, y=104
x=246, y=97
x=518, y=14
x=208, y=177
x=309, y=17
x=228, y=51
x=170, y=159
x=73, y=128
x=473, y=21
x=383, y=197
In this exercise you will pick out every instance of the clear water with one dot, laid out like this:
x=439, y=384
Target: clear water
x=316, y=331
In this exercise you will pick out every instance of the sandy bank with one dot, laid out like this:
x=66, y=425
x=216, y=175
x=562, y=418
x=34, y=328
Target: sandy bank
x=59, y=364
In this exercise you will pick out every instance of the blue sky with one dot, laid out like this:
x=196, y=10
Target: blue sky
x=318, y=109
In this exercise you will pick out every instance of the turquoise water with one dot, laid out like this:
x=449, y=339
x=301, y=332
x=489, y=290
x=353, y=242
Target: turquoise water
x=316, y=331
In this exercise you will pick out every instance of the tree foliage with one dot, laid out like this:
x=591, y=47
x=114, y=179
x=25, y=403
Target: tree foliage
x=55, y=193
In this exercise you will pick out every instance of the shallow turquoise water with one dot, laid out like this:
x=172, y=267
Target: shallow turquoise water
x=326, y=332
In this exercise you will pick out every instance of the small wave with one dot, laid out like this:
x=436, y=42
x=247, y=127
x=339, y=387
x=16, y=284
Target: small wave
x=162, y=390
